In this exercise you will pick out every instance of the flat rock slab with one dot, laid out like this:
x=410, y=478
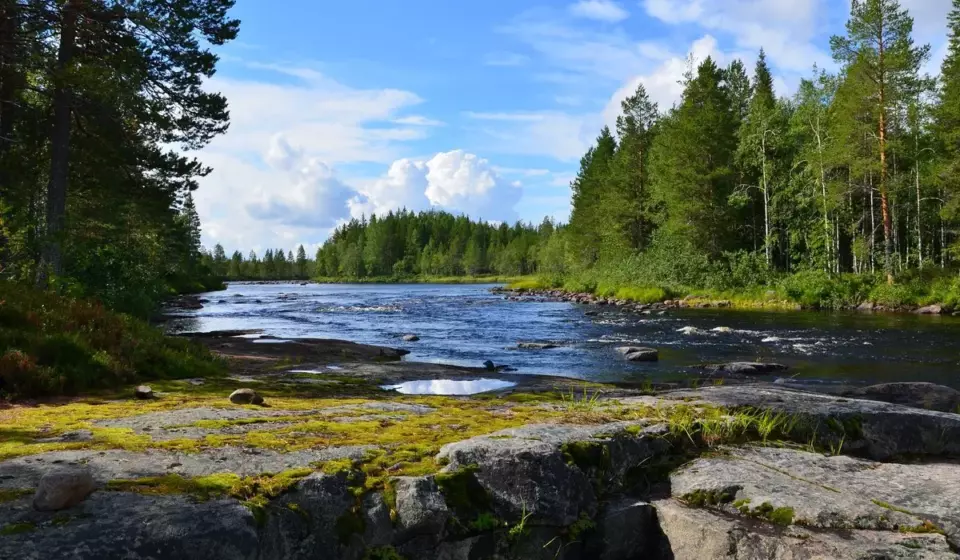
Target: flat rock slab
x=118, y=525
x=830, y=492
x=25, y=472
x=876, y=429
x=929, y=396
x=698, y=534
x=746, y=368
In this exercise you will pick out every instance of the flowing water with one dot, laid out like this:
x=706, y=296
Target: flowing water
x=467, y=325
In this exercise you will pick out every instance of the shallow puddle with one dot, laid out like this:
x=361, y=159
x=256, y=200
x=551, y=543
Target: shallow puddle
x=449, y=386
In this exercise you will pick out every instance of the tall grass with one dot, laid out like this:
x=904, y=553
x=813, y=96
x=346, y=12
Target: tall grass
x=53, y=345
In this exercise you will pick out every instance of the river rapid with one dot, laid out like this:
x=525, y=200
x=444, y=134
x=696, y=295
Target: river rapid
x=467, y=325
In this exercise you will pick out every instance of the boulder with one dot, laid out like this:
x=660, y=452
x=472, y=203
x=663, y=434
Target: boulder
x=930, y=310
x=489, y=365
x=792, y=487
x=639, y=354
x=421, y=508
x=143, y=392
x=626, y=528
x=245, y=396
x=536, y=345
x=410, y=338
x=63, y=488
x=916, y=394
x=746, y=368
x=698, y=534
x=866, y=306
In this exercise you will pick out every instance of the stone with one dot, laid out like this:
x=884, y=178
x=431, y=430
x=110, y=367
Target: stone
x=930, y=310
x=722, y=330
x=639, y=354
x=698, y=534
x=536, y=345
x=421, y=508
x=929, y=396
x=866, y=306
x=411, y=338
x=626, y=528
x=877, y=430
x=143, y=392
x=63, y=488
x=827, y=492
x=114, y=525
x=489, y=365
x=312, y=520
x=746, y=368
x=245, y=396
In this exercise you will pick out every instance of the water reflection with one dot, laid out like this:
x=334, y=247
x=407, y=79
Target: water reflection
x=449, y=386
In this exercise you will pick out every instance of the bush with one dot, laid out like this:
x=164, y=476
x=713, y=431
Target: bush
x=56, y=345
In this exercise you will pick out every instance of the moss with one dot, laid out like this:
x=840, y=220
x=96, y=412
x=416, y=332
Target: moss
x=9, y=495
x=485, y=521
x=743, y=505
x=582, y=525
x=925, y=527
x=382, y=553
x=17, y=528
x=588, y=456
x=703, y=498
x=780, y=516
x=349, y=524
x=462, y=492
x=891, y=507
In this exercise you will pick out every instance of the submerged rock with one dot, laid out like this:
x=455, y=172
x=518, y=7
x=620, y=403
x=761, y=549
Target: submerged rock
x=536, y=345
x=639, y=354
x=746, y=368
x=63, y=488
x=245, y=396
x=411, y=338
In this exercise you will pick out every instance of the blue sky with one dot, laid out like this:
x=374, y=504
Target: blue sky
x=340, y=109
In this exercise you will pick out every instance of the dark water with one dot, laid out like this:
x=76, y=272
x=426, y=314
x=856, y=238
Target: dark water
x=466, y=324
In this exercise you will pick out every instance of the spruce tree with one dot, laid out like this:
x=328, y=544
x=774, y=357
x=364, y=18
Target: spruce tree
x=947, y=127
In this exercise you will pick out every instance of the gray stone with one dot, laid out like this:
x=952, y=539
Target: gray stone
x=639, y=354
x=834, y=492
x=143, y=392
x=626, y=529
x=311, y=521
x=120, y=526
x=930, y=310
x=696, y=534
x=421, y=508
x=878, y=430
x=536, y=345
x=916, y=394
x=63, y=488
x=411, y=338
x=746, y=368
x=865, y=306
x=245, y=396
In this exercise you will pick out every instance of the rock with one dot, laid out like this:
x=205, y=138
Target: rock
x=115, y=525
x=697, y=534
x=626, y=529
x=746, y=368
x=866, y=306
x=874, y=429
x=689, y=330
x=143, y=392
x=490, y=365
x=639, y=354
x=536, y=345
x=62, y=489
x=723, y=330
x=916, y=394
x=930, y=310
x=793, y=487
x=313, y=520
x=410, y=338
x=245, y=396
x=421, y=508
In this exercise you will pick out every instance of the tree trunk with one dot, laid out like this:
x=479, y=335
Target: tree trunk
x=884, y=202
x=59, y=147
x=919, y=226
x=11, y=82
x=766, y=199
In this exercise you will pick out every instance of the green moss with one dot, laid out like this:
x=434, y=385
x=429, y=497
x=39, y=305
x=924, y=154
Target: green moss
x=891, y=507
x=780, y=516
x=9, y=495
x=703, y=498
x=462, y=492
x=582, y=525
x=382, y=553
x=485, y=521
x=925, y=527
x=17, y=528
x=743, y=505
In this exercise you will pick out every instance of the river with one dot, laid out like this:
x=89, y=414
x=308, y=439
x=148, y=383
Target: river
x=466, y=325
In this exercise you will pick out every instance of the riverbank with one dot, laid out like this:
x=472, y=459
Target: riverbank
x=332, y=465
x=801, y=292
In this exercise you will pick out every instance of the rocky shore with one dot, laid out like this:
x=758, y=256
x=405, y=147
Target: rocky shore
x=331, y=465
x=698, y=302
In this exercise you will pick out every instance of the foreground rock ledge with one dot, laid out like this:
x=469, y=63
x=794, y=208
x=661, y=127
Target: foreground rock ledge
x=623, y=490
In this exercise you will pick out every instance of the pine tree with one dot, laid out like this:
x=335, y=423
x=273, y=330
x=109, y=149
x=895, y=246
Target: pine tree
x=587, y=218
x=880, y=47
x=947, y=128
x=301, y=262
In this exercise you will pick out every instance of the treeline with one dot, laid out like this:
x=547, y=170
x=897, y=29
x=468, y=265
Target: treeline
x=98, y=99
x=856, y=173
x=275, y=264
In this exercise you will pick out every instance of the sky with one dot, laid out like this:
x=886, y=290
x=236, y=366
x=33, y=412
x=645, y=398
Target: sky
x=481, y=107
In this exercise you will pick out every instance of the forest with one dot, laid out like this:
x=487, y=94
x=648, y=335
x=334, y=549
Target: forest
x=846, y=190
x=99, y=102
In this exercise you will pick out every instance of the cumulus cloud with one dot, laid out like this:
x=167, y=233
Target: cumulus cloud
x=455, y=181
x=601, y=10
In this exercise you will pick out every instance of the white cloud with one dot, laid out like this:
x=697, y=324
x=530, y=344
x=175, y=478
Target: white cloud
x=601, y=10
x=554, y=134
x=417, y=120
x=505, y=59
x=455, y=181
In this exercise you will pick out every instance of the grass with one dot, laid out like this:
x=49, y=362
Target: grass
x=55, y=345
